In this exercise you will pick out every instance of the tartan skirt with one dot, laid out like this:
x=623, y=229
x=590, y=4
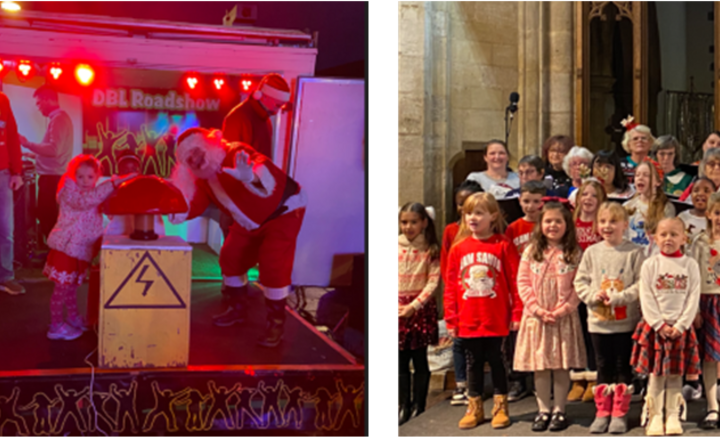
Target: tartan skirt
x=421, y=329
x=709, y=334
x=653, y=354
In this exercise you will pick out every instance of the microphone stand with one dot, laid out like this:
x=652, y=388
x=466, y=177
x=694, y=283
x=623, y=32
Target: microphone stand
x=509, y=115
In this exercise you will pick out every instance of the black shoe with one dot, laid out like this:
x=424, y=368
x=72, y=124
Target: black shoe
x=234, y=299
x=459, y=397
x=275, y=323
x=404, y=399
x=707, y=422
x=420, y=387
x=542, y=420
x=403, y=414
x=518, y=390
x=232, y=315
x=558, y=422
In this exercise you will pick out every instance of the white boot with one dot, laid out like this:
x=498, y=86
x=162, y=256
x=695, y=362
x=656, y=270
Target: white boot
x=654, y=405
x=673, y=403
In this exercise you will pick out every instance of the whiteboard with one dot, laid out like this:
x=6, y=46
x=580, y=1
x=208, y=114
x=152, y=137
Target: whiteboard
x=327, y=159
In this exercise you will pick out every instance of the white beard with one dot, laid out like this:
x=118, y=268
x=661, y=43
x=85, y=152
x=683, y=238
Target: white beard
x=214, y=157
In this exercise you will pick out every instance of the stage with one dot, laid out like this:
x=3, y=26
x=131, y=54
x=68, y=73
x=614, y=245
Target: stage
x=308, y=385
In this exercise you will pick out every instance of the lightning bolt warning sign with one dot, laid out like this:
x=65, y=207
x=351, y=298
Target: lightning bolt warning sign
x=145, y=287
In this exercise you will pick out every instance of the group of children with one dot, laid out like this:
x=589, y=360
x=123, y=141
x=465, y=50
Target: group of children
x=647, y=280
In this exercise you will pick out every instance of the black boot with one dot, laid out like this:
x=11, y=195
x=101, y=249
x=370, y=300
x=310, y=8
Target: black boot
x=421, y=383
x=234, y=297
x=275, y=323
x=404, y=403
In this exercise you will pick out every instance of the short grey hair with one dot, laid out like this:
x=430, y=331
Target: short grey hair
x=712, y=153
x=667, y=142
x=576, y=151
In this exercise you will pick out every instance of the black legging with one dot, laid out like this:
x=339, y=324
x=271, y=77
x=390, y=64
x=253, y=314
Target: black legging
x=481, y=350
x=419, y=360
x=589, y=345
x=613, y=353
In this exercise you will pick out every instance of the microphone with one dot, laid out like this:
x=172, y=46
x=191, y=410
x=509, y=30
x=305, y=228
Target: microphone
x=514, y=98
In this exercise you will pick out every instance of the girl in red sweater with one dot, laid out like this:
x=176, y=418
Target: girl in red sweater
x=465, y=190
x=480, y=301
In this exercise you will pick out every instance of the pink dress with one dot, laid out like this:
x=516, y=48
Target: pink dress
x=541, y=346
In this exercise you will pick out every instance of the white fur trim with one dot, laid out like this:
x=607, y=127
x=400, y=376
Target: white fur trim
x=591, y=376
x=276, y=294
x=266, y=180
x=297, y=201
x=184, y=180
x=228, y=203
x=275, y=93
x=577, y=376
x=238, y=281
x=190, y=142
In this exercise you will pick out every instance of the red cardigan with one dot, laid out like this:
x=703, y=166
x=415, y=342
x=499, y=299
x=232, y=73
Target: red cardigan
x=10, y=155
x=481, y=296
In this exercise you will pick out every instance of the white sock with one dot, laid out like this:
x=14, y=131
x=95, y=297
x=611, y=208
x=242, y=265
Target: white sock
x=561, y=386
x=656, y=385
x=542, y=390
x=709, y=371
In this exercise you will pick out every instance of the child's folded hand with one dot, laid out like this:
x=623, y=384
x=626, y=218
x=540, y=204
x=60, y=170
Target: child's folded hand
x=514, y=326
x=666, y=331
x=602, y=297
x=675, y=333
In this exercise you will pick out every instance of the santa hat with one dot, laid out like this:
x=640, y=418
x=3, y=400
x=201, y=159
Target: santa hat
x=274, y=86
x=194, y=137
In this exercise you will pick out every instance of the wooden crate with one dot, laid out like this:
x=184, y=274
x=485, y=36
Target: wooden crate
x=144, y=303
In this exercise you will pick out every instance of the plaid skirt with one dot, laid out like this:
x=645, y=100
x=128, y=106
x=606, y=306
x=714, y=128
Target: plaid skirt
x=64, y=269
x=709, y=333
x=653, y=354
x=421, y=329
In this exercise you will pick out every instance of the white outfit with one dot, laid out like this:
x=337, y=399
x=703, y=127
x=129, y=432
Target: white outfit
x=669, y=291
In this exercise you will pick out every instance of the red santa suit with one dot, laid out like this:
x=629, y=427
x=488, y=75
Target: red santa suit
x=267, y=214
x=249, y=122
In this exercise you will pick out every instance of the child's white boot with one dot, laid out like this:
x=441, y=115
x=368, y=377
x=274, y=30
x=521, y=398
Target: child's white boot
x=654, y=405
x=674, y=403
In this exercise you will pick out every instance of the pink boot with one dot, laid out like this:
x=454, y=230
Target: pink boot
x=621, y=405
x=604, y=406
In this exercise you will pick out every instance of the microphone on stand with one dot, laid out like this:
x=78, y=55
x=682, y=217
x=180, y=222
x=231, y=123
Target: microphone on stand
x=510, y=111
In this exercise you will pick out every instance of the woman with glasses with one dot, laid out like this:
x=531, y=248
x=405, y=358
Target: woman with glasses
x=637, y=142
x=667, y=153
x=554, y=150
x=710, y=165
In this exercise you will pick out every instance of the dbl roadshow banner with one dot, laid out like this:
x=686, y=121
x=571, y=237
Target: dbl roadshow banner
x=145, y=122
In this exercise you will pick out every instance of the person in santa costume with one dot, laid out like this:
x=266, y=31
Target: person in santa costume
x=249, y=121
x=267, y=208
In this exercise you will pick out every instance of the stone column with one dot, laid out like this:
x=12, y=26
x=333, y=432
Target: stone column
x=530, y=50
x=560, y=68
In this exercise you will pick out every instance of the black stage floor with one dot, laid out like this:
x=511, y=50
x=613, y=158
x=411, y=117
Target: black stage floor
x=25, y=346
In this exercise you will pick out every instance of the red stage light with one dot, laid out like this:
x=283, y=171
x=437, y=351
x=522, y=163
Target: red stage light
x=25, y=70
x=55, y=70
x=192, y=81
x=246, y=84
x=84, y=74
x=219, y=83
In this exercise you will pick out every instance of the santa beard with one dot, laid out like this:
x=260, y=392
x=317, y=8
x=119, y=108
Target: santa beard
x=214, y=156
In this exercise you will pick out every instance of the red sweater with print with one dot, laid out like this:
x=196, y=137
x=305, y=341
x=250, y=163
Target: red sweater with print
x=519, y=233
x=449, y=235
x=584, y=234
x=481, y=296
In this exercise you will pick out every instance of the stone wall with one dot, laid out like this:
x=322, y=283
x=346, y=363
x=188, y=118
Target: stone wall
x=458, y=64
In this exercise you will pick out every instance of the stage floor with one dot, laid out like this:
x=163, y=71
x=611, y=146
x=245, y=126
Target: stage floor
x=25, y=320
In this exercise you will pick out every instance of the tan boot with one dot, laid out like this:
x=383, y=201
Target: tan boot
x=577, y=391
x=500, y=413
x=474, y=414
x=654, y=405
x=588, y=395
x=673, y=403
